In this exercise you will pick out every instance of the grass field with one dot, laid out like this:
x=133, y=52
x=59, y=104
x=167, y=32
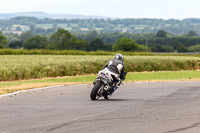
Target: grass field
x=8, y=87
x=19, y=67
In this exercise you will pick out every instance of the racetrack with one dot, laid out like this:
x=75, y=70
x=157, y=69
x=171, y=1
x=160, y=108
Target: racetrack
x=163, y=107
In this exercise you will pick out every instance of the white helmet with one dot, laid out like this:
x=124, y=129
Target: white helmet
x=119, y=57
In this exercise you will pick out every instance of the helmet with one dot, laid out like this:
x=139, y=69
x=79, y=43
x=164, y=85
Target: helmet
x=119, y=57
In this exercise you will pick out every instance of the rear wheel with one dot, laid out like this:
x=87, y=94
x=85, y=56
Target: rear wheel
x=97, y=90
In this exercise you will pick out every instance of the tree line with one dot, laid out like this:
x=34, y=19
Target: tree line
x=140, y=26
x=62, y=39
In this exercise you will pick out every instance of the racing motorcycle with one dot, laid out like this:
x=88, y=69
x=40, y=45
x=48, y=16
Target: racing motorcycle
x=104, y=85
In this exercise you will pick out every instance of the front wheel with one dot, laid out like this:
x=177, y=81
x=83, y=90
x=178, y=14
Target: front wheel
x=107, y=97
x=96, y=90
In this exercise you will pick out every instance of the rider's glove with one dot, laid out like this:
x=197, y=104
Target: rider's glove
x=123, y=76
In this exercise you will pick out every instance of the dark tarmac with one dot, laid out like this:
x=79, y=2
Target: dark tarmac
x=163, y=107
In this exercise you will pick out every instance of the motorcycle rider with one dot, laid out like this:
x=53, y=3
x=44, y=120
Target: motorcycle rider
x=116, y=68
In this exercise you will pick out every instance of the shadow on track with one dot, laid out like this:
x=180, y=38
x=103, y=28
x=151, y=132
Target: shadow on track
x=119, y=100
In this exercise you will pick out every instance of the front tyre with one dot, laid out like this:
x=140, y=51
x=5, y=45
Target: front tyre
x=96, y=90
x=107, y=97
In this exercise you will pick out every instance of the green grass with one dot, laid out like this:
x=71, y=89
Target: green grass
x=166, y=75
x=134, y=76
x=72, y=79
x=19, y=67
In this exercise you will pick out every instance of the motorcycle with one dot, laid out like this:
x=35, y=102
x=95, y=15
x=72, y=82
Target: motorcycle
x=104, y=85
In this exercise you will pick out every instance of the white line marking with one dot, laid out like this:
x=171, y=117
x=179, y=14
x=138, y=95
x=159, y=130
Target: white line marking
x=14, y=93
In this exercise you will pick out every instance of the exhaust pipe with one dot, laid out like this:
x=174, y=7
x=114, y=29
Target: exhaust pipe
x=106, y=88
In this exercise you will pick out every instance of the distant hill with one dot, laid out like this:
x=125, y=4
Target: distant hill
x=43, y=15
x=84, y=24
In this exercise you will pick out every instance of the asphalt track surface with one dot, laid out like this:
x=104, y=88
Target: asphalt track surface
x=164, y=107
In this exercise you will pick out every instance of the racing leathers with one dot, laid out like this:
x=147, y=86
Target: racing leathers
x=116, y=68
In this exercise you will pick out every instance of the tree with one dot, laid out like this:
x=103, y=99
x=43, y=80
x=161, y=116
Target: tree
x=158, y=48
x=51, y=30
x=169, y=49
x=161, y=33
x=35, y=42
x=195, y=48
x=192, y=33
x=143, y=48
x=95, y=44
x=80, y=45
x=15, y=44
x=125, y=44
x=181, y=48
x=92, y=35
x=26, y=35
x=178, y=46
x=108, y=47
x=39, y=30
x=2, y=46
x=32, y=26
x=3, y=40
x=62, y=39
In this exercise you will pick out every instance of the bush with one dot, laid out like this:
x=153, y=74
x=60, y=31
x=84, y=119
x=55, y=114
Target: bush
x=35, y=42
x=125, y=44
x=142, y=48
x=195, y=48
x=1, y=46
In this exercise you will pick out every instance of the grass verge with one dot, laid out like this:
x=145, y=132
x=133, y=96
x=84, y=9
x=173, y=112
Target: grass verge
x=9, y=87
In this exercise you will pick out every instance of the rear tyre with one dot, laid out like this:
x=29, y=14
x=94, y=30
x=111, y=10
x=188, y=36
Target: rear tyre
x=96, y=90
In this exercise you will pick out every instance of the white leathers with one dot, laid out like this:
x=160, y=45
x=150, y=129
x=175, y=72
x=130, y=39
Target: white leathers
x=116, y=66
x=120, y=67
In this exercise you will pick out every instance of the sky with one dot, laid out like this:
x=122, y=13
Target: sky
x=165, y=9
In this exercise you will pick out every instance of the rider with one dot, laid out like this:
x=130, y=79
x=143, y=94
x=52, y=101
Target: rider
x=116, y=68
